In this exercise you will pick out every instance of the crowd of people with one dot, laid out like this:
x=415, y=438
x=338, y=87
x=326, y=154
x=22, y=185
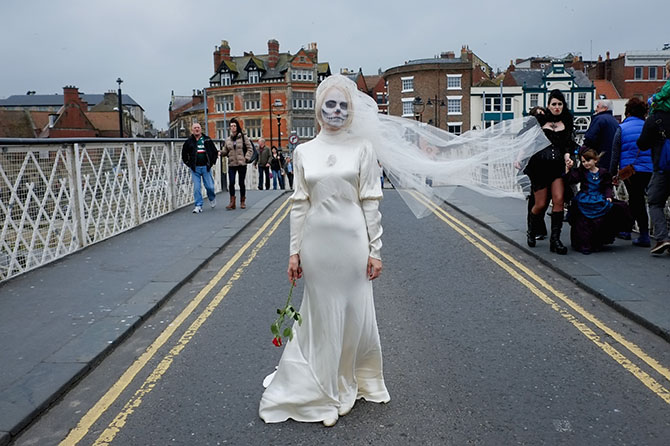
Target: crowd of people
x=199, y=153
x=635, y=152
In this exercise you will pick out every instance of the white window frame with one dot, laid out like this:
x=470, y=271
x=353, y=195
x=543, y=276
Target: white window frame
x=534, y=100
x=253, y=127
x=581, y=100
x=304, y=127
x=451, y=100
x=407, y=84
x=303, y=100
x=641, y=72
x=406, y=113
x=226, y=79
x=454, y=124
x=451, y=77
x=302, y=75
x=655, y=76
x=252, y=101
x=221, y=128
x=254, y=77
x=225, y=102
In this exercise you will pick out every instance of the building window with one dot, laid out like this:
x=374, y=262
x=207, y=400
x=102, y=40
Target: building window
x=224, y=103
x=254, y=77
x=653, y=73
x=638, y=73
x=581, y=124
x=253, y=128
x=252, y=101
x=221, y=128
x=454, y=105
x=454, y=81
x=407, y=84
x=380, y=99
x=533, y=100
x=492, y=104
x=302, y=75
x=304, y=127
x=408, y=107
x=226, y=79
x=455, y=127
x=581, y=100
x=303, y=100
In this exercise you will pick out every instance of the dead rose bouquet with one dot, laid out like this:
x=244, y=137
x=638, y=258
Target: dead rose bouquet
x=288, y=312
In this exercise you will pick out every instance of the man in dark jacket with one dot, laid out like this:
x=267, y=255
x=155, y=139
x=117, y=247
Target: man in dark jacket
x=654, y=134
x=199, y=154
x=600, y=134
x=263, y=163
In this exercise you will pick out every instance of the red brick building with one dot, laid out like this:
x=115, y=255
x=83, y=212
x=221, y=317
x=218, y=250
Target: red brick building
x=271, y=94
x=372, y=85
x=634, y=74
x=439, y=86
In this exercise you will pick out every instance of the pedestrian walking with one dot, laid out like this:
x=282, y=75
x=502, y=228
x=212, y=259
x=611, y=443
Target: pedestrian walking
x=239, y=150
x=600, y=134
x=199, y=154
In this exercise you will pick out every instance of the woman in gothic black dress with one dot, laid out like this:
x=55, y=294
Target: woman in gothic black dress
x=546, y=168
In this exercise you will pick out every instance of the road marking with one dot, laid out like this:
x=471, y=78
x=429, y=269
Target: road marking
x=127, y=377
x=645, y=378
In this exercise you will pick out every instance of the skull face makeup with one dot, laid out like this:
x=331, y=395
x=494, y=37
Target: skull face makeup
x=335, y=109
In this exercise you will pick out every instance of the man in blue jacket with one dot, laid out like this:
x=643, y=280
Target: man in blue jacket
x=199, y=154
x=600, y=134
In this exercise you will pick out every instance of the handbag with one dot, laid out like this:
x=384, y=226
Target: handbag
x=626, y=172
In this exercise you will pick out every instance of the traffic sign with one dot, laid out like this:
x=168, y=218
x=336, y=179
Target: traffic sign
x=293, y=139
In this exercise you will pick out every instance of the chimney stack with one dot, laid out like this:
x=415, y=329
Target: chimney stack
x=221, y=53
x=448, y=55
x=313, y=52
x=71, y=97
x=273, y=53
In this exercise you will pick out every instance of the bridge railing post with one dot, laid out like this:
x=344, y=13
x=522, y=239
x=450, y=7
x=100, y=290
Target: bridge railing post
x=77, y=194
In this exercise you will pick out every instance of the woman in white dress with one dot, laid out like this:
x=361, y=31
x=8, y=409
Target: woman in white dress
x=335, y=356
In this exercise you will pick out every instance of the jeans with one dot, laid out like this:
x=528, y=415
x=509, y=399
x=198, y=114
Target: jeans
x=276, y=175
x=263, y=171
x=657, y=195
x=242, y=170
x=206, y=175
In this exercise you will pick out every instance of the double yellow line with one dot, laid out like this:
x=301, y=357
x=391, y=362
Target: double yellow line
x=559, y=302
x=92, y=416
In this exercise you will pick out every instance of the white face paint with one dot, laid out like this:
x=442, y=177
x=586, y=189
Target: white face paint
x=335, y=108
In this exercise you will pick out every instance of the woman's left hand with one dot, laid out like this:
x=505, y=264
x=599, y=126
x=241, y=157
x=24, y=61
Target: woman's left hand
x=609, y=199
x=374, y=268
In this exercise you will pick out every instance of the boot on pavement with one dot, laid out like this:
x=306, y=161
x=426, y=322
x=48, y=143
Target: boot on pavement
x=231, y=206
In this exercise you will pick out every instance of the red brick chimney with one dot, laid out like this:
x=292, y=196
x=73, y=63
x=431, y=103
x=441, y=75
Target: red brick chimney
x=221, y=53
x=448, y=55
x=71, y=96
x=273, y=53
x=313, y=52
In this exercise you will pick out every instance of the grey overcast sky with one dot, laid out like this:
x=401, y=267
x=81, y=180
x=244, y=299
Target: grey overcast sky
x=157, y=46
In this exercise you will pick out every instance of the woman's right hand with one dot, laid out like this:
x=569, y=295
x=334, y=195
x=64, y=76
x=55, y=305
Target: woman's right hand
x=294, y=268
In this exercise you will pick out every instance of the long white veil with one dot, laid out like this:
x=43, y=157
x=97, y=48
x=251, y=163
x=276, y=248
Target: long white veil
x=420, y=157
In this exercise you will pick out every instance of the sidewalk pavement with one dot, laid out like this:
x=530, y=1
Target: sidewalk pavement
x=626, y=277
x=58, y=321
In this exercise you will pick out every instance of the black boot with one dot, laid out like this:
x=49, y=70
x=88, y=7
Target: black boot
x=533, y=221
x=540, y=229
x=555, y=244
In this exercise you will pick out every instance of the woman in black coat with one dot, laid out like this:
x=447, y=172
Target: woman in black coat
x=546, y=168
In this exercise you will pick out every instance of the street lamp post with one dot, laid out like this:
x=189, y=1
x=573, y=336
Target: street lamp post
x=277, y=105
x=120, y=81
x=436, y=105
x=418, y=107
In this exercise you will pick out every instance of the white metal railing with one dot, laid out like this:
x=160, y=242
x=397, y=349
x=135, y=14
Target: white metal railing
x=60, y=195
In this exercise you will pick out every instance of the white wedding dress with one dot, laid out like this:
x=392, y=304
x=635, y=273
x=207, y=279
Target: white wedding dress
x=335, y=356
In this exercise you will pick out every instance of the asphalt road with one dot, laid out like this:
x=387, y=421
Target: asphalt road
x=479, y=348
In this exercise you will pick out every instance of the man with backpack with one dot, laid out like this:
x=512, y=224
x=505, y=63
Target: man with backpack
x=654, y=136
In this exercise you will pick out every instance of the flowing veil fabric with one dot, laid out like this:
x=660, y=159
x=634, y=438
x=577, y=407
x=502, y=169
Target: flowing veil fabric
x=420, y=157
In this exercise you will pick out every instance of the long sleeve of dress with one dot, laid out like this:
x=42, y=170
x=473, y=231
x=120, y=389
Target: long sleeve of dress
x=300, y=206
x=370, y=193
